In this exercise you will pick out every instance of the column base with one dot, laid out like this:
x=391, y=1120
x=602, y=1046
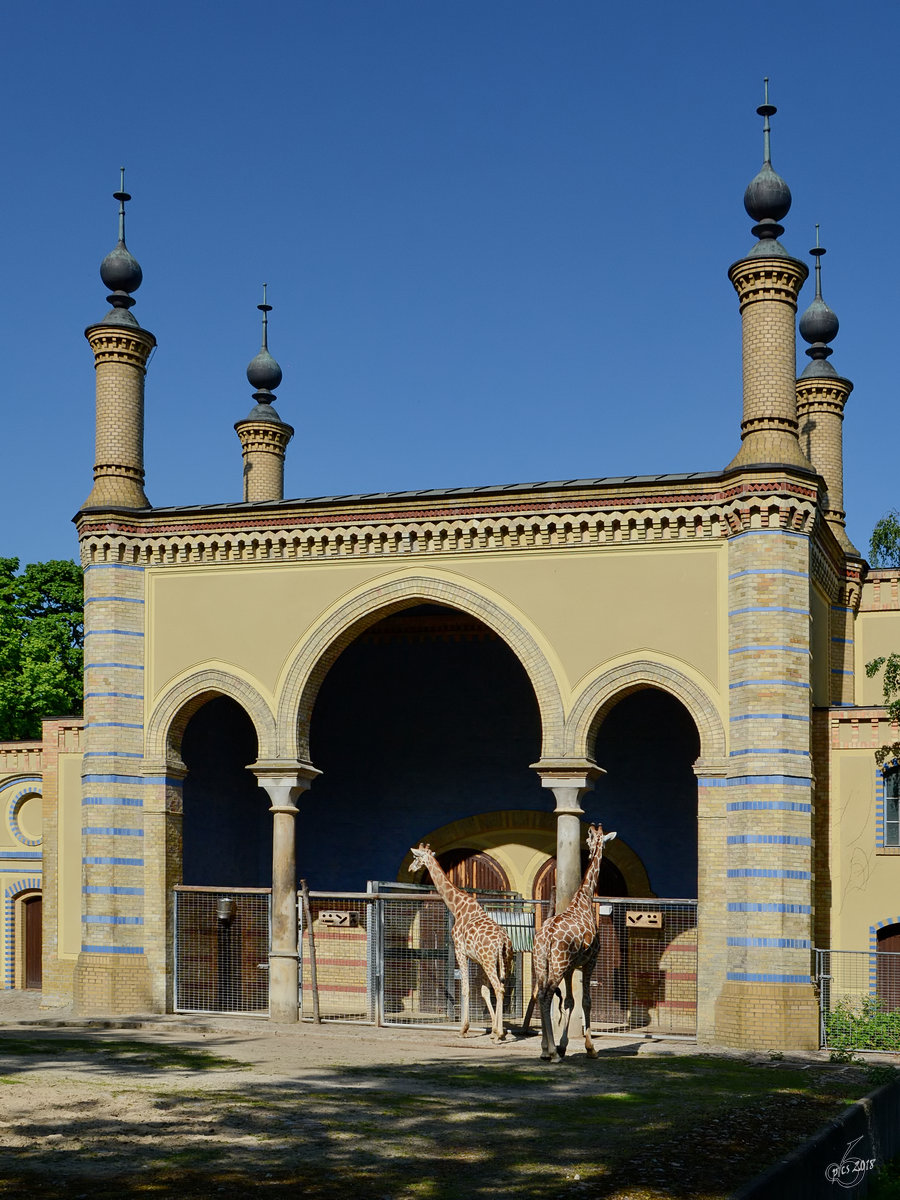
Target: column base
x=767, y=1016
x=284, y=993
x=112, y=983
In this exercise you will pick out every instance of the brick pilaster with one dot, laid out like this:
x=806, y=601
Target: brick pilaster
x=111, y=974
x=768, y=999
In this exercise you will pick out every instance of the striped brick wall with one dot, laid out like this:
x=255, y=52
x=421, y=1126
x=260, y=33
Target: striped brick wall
x=769, y=794
x=111, y=973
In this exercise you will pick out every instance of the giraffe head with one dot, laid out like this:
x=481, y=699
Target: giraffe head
x=597, y=839
x=422, y=855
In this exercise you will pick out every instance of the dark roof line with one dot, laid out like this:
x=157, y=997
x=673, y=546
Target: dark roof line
x=439, y=493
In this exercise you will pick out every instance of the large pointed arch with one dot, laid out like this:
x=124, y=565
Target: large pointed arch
x=339, y=628
x=602, y=693
x=178, y=704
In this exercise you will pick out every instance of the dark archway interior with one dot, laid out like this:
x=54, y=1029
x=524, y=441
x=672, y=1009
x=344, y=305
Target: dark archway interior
x=647, y=745
x=227, y=825
x=424, y=719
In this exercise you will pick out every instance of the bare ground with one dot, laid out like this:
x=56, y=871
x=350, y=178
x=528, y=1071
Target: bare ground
x=193, y=1108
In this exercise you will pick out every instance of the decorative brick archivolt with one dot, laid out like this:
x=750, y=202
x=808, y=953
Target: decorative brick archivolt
x=177, y=705
x=315, y=656
x=604, y=692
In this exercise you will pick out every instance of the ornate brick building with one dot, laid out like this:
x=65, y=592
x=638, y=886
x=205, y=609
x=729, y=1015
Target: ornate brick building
x=464, y=666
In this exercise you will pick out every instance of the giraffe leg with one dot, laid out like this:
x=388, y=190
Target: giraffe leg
x=462, y=963
x=548, y=1045
x=566, y=1008
x=587, y=972
x=498, y=1033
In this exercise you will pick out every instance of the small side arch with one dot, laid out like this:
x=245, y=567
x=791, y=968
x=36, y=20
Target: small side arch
x=596, y=700
x=336, y=631
x=178, y=704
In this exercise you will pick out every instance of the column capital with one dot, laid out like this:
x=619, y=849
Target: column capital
x=281, y=771
x=568, y=772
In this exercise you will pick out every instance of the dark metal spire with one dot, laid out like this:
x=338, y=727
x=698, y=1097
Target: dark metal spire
x=120, y=271
x=818, y=325
x=263, y=371
x=767, y=198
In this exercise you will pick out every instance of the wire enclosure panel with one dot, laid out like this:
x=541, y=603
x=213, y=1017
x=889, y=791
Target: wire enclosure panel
x=859, y=999
x=222, y=950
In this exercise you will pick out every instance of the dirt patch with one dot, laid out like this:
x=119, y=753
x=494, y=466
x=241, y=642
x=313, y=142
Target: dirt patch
x=351, y=1111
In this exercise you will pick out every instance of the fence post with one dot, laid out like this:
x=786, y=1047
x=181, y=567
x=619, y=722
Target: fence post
x=307, y=921
x=378, y=963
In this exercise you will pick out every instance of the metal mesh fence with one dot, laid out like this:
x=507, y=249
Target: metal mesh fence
x=646, y=973
x=389, y=959
x=343, y=936
x=859, y=997
x=221, y=950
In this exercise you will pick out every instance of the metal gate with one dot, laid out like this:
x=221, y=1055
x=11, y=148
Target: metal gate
x=389, y=959
x=222, y=950
x=859, y=999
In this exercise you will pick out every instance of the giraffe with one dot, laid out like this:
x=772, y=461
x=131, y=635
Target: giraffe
x=564, y=943
x=475, y=936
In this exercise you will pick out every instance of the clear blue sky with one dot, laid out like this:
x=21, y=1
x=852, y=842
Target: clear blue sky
x=495, y=232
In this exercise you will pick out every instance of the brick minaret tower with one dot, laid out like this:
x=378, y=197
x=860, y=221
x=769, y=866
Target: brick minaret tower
x=768, y=282
x=821, y=396
x=766, y=876
x=121, y=350
x=111, y=973
x=264, y=437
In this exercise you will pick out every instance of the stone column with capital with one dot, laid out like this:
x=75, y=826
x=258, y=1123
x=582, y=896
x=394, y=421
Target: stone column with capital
x=568, y=779
x=283, y=782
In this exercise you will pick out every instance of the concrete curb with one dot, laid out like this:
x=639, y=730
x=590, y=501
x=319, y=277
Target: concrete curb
x=825, y=1167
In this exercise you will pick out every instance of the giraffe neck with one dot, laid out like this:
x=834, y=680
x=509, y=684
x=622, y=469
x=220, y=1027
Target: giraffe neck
x=585, y=894
x=449, y=893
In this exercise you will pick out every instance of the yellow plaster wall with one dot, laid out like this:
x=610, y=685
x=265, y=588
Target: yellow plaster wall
x=69, y=880
x=253, y=618
x=875, y=634
x=865, y=883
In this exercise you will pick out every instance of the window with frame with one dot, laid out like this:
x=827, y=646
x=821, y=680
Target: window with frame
x=892, y=805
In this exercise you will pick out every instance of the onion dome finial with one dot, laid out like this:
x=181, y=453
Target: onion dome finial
x=819, y=324
x=120, y=270
x=263, y=371
x=767, y=198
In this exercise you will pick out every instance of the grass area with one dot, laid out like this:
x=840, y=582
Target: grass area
x=692, y=1127
x=145, y=1055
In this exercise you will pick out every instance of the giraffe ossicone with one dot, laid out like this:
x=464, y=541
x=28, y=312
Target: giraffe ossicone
x=475, y=936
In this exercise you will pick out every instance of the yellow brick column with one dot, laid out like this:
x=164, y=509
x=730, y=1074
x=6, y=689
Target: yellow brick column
x=821, y=397
x=121, y=351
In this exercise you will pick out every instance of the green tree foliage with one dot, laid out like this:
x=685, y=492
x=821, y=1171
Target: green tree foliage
x=884, y=544
x=884, y=551
x=41, y=644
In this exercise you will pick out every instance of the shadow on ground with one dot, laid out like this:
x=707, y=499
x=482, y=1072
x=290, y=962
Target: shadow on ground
x=136, y=1119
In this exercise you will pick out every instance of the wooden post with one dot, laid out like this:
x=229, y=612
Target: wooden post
x=307, y=921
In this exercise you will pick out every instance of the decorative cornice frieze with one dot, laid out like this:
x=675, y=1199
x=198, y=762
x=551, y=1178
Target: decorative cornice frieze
x=672, y=519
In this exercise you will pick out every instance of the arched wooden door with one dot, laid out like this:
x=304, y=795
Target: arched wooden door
x=32, y=922
x=473, y=870
x=887, y=967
